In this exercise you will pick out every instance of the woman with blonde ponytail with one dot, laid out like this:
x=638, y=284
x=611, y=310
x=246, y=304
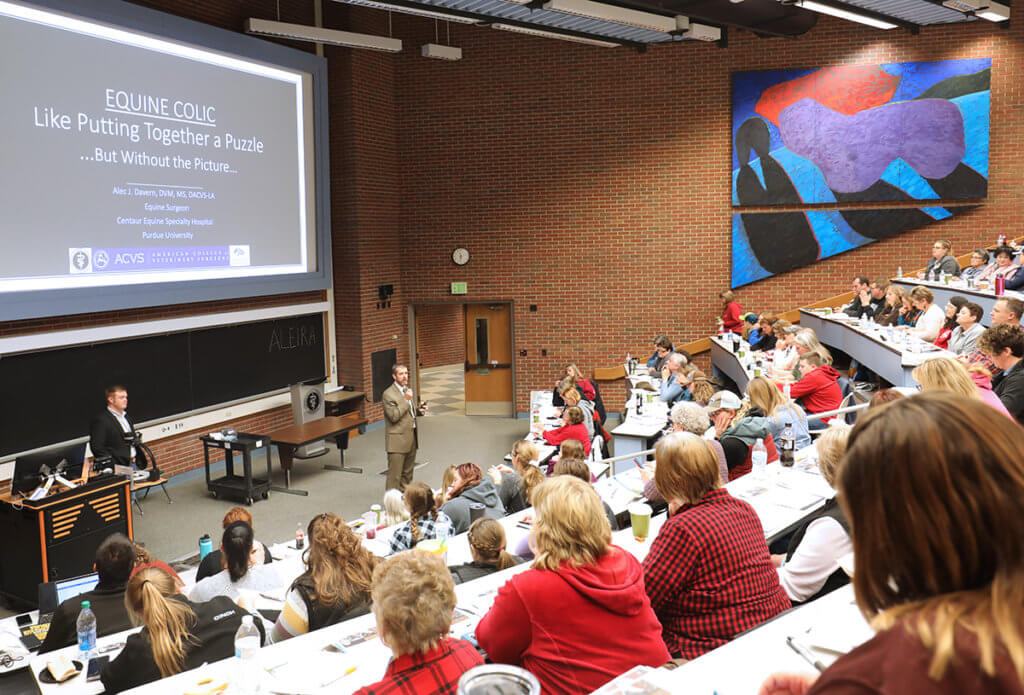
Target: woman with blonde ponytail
x=487, y=544
x=177, y=634
x=335, y=585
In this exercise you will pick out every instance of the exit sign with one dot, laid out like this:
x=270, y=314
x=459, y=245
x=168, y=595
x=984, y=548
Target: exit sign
x=459, y=288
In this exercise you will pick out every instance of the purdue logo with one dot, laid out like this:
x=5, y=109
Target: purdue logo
x=312, y=401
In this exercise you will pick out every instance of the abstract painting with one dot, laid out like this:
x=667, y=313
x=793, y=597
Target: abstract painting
x=849, y=134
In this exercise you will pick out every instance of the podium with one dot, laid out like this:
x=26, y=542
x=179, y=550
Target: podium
x=56, y=537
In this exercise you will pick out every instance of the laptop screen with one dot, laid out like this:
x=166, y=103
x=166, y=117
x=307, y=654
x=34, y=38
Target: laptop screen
x=69, y=588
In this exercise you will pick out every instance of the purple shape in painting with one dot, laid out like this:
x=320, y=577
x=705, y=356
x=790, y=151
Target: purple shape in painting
x=854, y=151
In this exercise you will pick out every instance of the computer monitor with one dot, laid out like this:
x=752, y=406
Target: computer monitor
x=52, y=594
x=27, y=466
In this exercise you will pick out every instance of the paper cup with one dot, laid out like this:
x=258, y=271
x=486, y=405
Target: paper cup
x=640, y=519
x=435, y=546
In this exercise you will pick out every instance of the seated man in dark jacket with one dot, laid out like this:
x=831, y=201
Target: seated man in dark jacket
x=113, y=563
x=1004, y=345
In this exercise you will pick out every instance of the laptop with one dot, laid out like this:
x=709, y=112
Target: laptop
x=51, y=595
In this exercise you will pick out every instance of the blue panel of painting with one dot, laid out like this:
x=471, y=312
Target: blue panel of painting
x=832, y=232
x=849, y=134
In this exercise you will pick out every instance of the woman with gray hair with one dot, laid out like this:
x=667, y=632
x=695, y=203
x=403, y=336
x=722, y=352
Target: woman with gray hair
x=686, y=417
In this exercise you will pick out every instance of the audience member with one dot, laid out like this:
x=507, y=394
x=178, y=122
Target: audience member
x=413, y=602
x=884, y=397
x=243, y=571
x=909, y=315
x=965, y=336
x=701, y=388
x=487, y=546
x=810, y=568
x=941, y=261
x=671, y=389
x=447, y=478
x=779, y=410
x=818, y=388
x=1004, y=345
x=579, y=469
x=1007, y=310
x=425, y=521
x=394, y=508
x=889, y=313
x=982, y=379
x=731, y=313
x=572, y=428
x=571, y=397
x=931, y=319
x=953, y=307
x=806, y=341
x=582, y=384
x=662, y=349
x=177, y=634
x=944, y=597
x=949, y=375
x=737, y=428
x=785, y=356
x=708, y=573
x=471, y=487
x=113, y=562
x=579, y=617
x=866, y=301
x=692, y=418
x=979, y=264
x=143, y=560
x=768, y=339
x=1007, y=268
x=514, y=486
x=214, y=560
x=335, y=585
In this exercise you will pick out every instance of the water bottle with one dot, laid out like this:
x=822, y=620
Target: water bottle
x=247, y=643
x=86, y=626
x=1000, y=285
x=205, y=546
x=899, y=272
x=1001, y=241
x=759, y=459
x=787, y=446
x=300, y=538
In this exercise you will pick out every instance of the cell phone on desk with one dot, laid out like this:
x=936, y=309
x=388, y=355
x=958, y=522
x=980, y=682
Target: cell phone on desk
x=95, y=666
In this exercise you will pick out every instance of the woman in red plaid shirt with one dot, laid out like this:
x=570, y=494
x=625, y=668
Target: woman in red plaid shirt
x=709, y=574
x=413, y=600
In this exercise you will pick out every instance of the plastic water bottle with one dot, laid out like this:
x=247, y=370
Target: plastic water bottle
x=759, y=459
x=899, y=272
x=300, y=538
x=86, y=626
x=247, y=643
x=787, y=446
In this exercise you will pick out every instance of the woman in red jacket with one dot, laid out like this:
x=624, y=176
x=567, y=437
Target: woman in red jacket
x=818, y=388
x=731, y=313
x=580, y=616
x=572, y=428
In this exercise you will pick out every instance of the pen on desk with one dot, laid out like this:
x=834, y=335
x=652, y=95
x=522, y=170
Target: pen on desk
x=349, y=670
x=805, y=653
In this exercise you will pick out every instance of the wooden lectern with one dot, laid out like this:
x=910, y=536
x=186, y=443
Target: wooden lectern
x=56, y=537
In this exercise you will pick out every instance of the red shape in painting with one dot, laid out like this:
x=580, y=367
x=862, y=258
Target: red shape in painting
x=847, y=89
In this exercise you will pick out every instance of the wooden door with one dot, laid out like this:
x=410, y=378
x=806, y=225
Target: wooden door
x=489, y=359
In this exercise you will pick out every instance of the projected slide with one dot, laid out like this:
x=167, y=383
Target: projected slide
x=130, y=159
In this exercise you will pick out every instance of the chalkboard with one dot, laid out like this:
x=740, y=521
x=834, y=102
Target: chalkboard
x=51, y=396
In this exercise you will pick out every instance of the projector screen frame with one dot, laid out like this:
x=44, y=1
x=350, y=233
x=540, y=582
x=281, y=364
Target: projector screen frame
x=59, y=302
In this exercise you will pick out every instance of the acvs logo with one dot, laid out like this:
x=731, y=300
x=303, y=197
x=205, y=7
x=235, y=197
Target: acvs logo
x=129, y=258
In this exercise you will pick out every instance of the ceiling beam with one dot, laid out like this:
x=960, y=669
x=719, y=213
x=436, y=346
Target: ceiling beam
x=487, y=19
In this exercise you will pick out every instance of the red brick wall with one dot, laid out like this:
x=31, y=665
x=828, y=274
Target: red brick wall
x=440, y=334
